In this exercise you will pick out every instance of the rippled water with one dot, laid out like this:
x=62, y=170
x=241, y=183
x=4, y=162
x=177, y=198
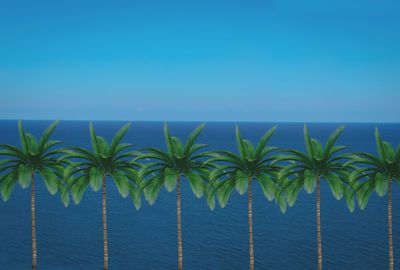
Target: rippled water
x=71, y=238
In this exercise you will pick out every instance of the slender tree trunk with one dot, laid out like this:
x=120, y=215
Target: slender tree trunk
x=318, y=209
x=390, y=232
x=105, y=242
x=33, y=219
x=178, y=221
x=250, y=216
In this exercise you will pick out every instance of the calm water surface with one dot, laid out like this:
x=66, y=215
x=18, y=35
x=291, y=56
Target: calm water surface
x=71, y=238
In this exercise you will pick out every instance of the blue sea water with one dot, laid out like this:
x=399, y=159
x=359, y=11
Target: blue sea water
x=71, y=238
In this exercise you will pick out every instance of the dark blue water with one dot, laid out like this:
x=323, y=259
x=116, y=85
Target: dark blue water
x=71, y=238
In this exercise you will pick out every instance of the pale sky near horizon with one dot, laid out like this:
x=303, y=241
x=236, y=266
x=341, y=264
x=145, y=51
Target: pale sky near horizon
x=324, y=61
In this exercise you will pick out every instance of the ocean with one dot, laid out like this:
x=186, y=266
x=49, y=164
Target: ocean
x=71, y=238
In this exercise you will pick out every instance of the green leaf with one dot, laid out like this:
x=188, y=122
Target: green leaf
x=379, y=145
x=96, y=178
x=285, y=171
x=249, y=149
x=214, y=174
x=178, y=147
x=5, y=161
x=210, y=196
x=93, y=139
x=364, y=193
x=192, y=138
x=196, y=183
x=32, y=144
x=168, y=140
x=224, y=191
x=104, y=148
x=240, y=144
x=318, y=150
x=196, y=147
x=24, y=143
x=332, y=140
x=293, y=191
x=310, y=181
x=64, y=193
x=170, y=177
x=7, y=185
x=350, y=198
x=24, y=175
x=12, y=151
x=52, y=144
x=389, y=150
x=79, y=187
x=133, y=175
x=308, y=142
x=50, y=180
x=282, y=203
x=135, y=194
x=267, y=186
x=46, y=135
x=241, y=182
x=264, y=140
x=381, y=184
x=121, y=181
x=152, y=189
x=336, y=185
x=118, y=137
x=70, y=169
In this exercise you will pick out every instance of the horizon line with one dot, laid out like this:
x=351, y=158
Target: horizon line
x=215, y=121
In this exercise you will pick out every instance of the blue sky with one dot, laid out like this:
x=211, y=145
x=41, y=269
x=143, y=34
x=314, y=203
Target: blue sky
x=328, y=61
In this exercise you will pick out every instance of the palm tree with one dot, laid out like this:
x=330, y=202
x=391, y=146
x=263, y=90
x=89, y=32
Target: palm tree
x=24, y=163
x=309, y=169
x=378, y=174
x=166, y=168
x=240, y=170
x=95, y=165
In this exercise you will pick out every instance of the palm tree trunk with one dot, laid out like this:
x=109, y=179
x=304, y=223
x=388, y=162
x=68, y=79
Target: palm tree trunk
x=390, y=233
x=178, y=221
x=105, y=242
x=33, y=219
x=250, y=216
x=318, y=209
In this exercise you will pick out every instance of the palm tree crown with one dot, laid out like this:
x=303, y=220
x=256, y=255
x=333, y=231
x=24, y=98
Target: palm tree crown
x=234, y=170
x=103, y=160
x=33, y=157
x=178, y=160
x=377, y=170
x=317, y=163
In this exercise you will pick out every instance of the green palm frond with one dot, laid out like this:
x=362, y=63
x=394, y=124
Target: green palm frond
x=44, y=140
x=330, y=144
x=192, y=138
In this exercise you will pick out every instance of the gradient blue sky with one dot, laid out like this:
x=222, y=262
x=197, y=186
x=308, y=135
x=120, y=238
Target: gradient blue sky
x=271, y=60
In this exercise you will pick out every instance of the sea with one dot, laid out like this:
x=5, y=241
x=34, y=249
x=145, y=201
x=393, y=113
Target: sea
x=71, y=238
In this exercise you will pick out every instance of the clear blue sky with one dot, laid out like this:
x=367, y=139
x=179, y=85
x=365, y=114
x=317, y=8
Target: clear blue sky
x=271, y=60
